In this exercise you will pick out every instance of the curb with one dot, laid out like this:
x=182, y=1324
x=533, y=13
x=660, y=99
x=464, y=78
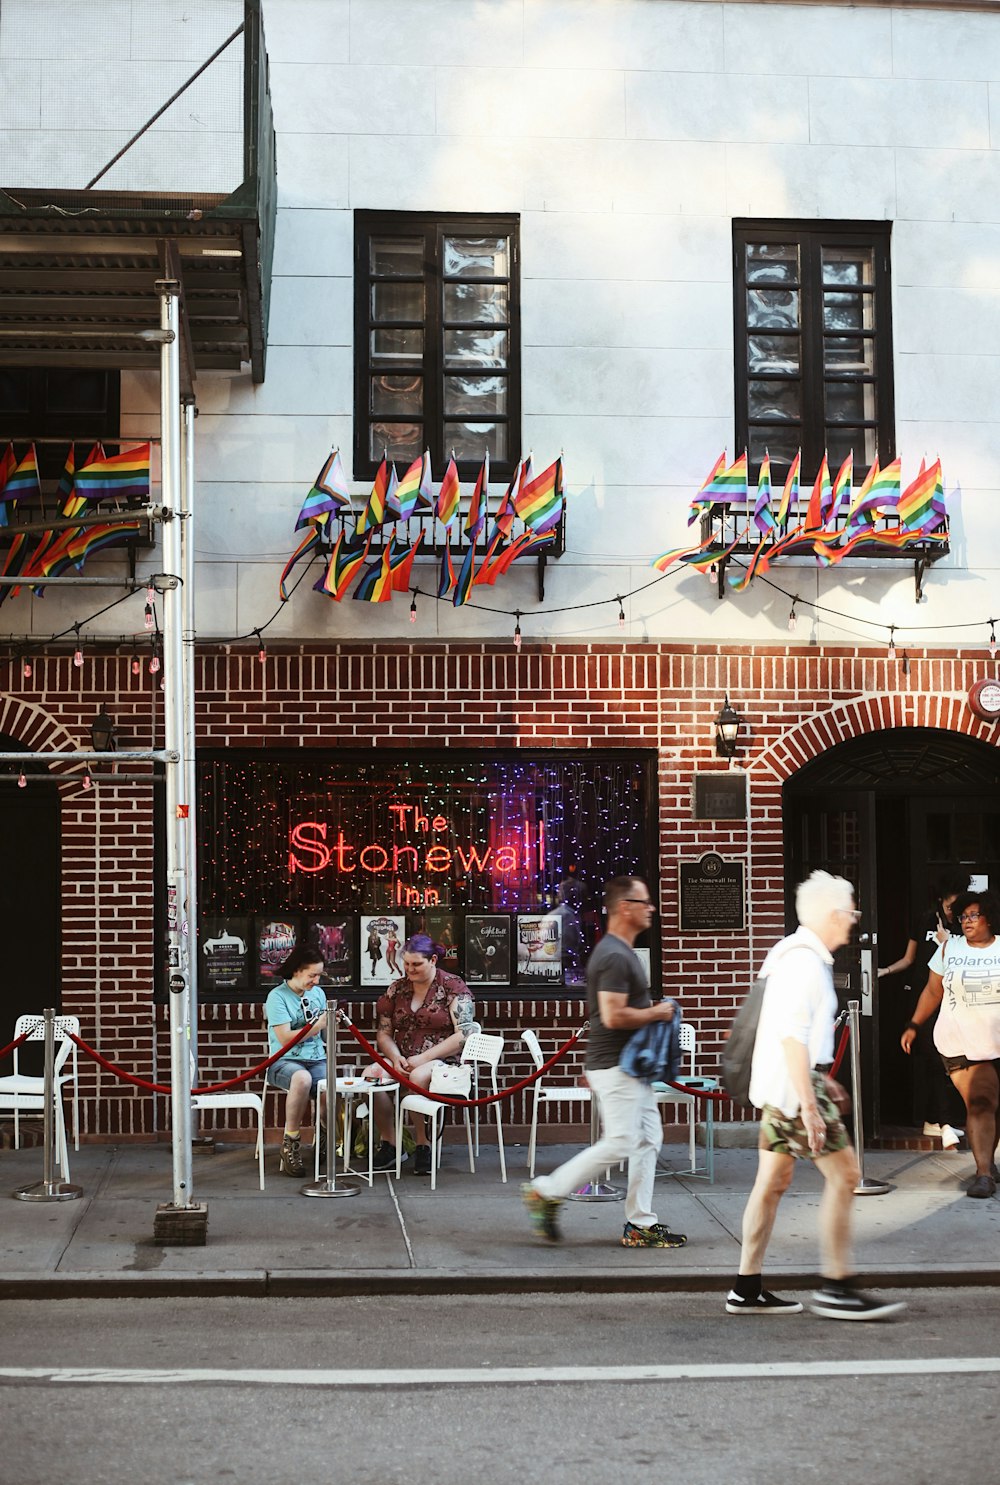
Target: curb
x=265, y=1284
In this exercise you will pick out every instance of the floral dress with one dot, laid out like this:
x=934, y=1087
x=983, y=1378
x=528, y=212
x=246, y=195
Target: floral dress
x=417, y=1031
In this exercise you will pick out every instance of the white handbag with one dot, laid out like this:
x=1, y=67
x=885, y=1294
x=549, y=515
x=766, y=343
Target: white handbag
x=452, y=1081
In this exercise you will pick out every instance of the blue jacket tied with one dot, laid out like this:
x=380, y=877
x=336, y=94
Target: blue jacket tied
x=653, y=1053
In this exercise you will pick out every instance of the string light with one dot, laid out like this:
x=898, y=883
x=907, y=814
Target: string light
x=993, y=639
x=413, y=608
x=262, y=648
x=793, y=618
x=517, y=629
x=136, y=662
x=621, y=612
x=148, y=617
x=26, y=670
x=892, y=641
x=22, y=782
x=88, y=782
x=154, y=664
x=77, y=653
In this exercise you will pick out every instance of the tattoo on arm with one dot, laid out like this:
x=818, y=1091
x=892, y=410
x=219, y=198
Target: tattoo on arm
x=385, y=1024
x=463, y=1014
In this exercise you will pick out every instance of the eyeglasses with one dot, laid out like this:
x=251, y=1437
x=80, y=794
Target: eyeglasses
x=642, y=901
x=853, y=913
x=970, y=917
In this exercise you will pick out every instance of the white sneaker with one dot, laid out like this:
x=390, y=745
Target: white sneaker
x=950, y=1137
x=932, y=1129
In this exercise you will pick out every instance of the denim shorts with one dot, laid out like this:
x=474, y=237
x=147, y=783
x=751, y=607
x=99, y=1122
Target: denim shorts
x=279, y=1074
x=960, y=1063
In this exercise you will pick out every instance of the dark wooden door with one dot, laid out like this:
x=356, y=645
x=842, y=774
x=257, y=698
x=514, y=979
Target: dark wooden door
x=29, y=908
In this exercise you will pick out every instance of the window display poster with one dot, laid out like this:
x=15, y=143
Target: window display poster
x=332, y=937
x=277, y=935
x=487, y=949
x=381, y=948
x=539, y=949
x=224, y=961
x=443, y=929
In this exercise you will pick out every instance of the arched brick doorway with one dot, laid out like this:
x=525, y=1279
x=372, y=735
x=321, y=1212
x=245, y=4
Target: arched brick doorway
x=891, y=810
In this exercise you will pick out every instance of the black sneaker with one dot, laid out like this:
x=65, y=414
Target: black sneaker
x=982, y=1186
x=836, y=1302
x=656, y=1236
x=764, y=1303
x=422, y=1160
x=544, y=1213
x=384, y=1157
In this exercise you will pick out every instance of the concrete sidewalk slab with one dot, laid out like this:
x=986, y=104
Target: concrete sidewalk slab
x=470, y=1235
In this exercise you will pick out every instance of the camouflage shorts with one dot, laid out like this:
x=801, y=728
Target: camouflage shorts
x=787, y=1136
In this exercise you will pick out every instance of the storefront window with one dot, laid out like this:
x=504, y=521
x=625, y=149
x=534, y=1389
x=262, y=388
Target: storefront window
x=501, y=860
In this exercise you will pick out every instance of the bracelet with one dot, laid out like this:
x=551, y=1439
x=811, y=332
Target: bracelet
x=913, y=1025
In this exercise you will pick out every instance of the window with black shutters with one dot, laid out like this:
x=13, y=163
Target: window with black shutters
x=813, y=344
x=437, y=340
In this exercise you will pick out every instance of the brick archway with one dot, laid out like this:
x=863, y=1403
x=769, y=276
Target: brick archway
x=38, y=730
x=877, y=712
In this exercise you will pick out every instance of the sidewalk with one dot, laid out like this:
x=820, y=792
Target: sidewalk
x=471, y=1235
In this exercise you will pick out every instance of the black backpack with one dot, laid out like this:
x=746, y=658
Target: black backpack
x=737, y=1054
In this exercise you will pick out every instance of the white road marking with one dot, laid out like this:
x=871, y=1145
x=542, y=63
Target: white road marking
x=500, y=1375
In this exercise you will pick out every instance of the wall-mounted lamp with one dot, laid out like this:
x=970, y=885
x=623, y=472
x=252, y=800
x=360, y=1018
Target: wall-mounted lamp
x=727, y=731
x=102, y=733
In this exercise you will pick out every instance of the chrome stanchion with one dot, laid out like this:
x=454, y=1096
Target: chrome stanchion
x=328, y=1185
x=864, y=1186
x=48, y=1188
x=596, y=1190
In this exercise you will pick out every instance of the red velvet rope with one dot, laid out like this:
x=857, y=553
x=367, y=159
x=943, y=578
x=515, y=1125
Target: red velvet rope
x=462, y=1103
x=15, y=1043
x=243, y=1077
x=841, y=1049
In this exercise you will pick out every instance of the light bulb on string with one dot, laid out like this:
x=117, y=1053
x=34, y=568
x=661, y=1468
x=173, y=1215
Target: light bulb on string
x=154, y=664
x=993, y=639
x=136, y=665
x=77, y=653
x=892, y=641
x=262, y=648
x=22, y=782
x=621, y=612
x=793, y=618
x=517, y=629
x=413, y=607
x=26, y=670
x=148, y=618
x=88, y=782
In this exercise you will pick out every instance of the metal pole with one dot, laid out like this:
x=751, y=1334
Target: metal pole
x=48, y=1188
x=864, y=1187
x=190, y=775
x=596, y=1190
x=178, y=824
x=328, y=1185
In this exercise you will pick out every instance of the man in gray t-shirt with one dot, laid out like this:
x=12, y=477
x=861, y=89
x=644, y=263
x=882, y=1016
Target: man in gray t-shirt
x=619, y=1002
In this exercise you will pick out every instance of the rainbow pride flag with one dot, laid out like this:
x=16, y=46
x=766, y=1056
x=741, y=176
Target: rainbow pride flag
x=842, y=494
x=476, y=517
x=347, y=556
x=329, y=493
x=504, y=518
x=93, y=538
x=23, y=479
x=921, y=506
x=790, y=493
x=449, y=495
x=759, y=563
x=408, y=491
x=466, y=577
x=115, y=478
x=677, y=554
x=762, y=517
x=730, y=484
x=878, y=495
x=13, y=564
x=389, y=574
x=373, y=514
x=704, y=497
x=446, y=580
x=821, y=498
x=401, y=563
x=539, y=503
x=74, y=503
x=392, y=511
x=308, y=542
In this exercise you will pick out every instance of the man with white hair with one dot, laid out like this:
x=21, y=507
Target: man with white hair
x=799, y=1119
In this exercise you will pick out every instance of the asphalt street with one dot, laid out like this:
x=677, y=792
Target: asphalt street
x=572, y=1388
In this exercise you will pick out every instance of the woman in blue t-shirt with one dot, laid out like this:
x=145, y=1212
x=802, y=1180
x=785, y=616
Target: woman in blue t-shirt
x=291, y=1005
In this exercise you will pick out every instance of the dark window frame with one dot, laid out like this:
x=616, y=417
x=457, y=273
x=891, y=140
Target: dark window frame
x=44, y=416
x=811, y=237
x=434, y=226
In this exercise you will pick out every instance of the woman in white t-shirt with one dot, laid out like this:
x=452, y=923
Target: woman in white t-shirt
x=964, y=980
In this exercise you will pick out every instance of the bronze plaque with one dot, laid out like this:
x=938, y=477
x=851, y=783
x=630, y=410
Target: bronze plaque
x=712, y=895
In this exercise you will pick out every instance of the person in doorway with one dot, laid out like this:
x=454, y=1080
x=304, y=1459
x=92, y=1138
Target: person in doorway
x=936, y=1105
x=423, y=1019
x=294, y=1003
x=964, y=982
x=570, y=895
x=619, y=1003
x=799, y=1118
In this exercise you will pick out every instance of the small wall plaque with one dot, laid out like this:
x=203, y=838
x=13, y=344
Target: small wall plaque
x=720, y=796
x=712, y=895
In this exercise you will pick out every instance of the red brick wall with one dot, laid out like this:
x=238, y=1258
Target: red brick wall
x=797, y=702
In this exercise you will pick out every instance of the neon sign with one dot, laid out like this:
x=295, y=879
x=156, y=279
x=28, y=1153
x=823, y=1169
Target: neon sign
x=313, y=847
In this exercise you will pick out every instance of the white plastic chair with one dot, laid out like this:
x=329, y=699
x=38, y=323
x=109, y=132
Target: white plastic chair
x=547, y=1093
x=243, y=1099
x=419, y=1103
x=666, y=1095
x=24, y=1094
x=480, y=1047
